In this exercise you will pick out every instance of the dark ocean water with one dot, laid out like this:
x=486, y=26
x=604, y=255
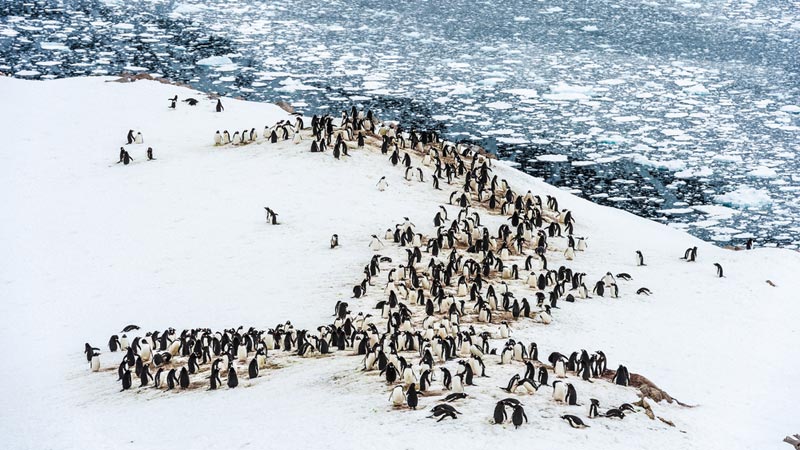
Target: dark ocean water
x=687, y=112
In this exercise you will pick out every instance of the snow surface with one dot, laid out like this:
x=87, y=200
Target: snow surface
x=92, y=246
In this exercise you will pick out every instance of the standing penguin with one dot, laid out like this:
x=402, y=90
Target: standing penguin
x=396, y=397
x=183, y=378
x=412, y=396
x=172, y=102
x=215, y=381
x=126, y=380
x=172, y=380
x=500, y=412
x=139, y=138
x=375, y=244
x=233, y=379
x=150, y=154
x=252, y=370
x=639, y=258
x=113, y=343
x=382, y=184
x=572, y=395
x=95, y=362
x=334, y=241
x=518, y=415
x=220, y=108
x=130, y=137
x=559, y=391
x=621, y=377
x=719, y=270
x=593, y=408
x=144, y=375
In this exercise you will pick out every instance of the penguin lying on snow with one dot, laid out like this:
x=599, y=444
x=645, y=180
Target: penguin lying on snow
x=574, y=421
x=443, y=411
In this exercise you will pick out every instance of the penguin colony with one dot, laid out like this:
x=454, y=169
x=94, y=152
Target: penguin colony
x=443, y=309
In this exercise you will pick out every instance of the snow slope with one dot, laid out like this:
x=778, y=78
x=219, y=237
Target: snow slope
x=91, y=246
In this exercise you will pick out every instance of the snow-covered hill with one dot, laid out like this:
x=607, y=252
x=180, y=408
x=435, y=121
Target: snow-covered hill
x=90, y=246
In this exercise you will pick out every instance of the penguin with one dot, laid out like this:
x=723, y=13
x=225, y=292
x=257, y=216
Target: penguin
x=233, y=378
x=130, y=137
x=95, y=362
x=144, y=376
x=391, y=373
x=382, y=184
x=360, y=290
x=593, y=408
x=639, y=258
x=114, y=343
x=171, y=379
x=157, y=378
x=139, y=139
x=220, y=108
x=559, y=391
x=214, y=381
x=375, y=244
x=241, y=352
x=574, y=421
x=444, y=410
x=397, y=397
x=560, y=369
x=513, y=383
x=500, y=412
x=749, y=244
x=626, y=407
x=150, y=154
x=504, y=330
x=643, y=291
x=621, y=377
x=518, y=415
x=572, y=395
x=334, y=241
x=183, y=378
x=542, y=378
x=454, y=397
x=614, y=412
x=719, y=270
x=190, y=101
x=412, y=398
x=252, y=369
x=127, y=382
x=447, y=379
x=599, y=288
x=690, y=255
x=172, y=102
